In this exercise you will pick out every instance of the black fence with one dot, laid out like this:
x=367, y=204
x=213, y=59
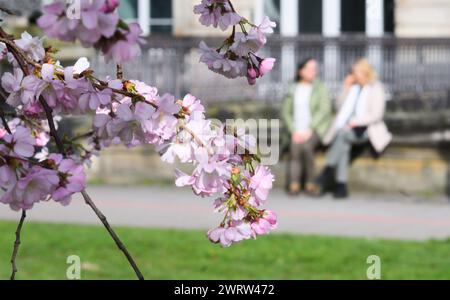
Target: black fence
x=416, y=72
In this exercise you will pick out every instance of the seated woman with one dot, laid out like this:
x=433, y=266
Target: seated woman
x=359, y=120
x=307, y=115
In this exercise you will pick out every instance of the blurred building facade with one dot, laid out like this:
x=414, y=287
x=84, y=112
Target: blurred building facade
x=403, y=18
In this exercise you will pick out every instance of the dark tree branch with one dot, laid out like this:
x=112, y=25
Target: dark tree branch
x=23, y=61
x=4, y=121
x=8, y=11
x=17, y=244
x=49, y=114
x=119, y=71
x=111, y=232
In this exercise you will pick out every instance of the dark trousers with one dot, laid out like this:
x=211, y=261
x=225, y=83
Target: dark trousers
x=302, y=160
x=339, y=153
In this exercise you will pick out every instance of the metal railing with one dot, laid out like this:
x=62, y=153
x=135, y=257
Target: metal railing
x=416, y=72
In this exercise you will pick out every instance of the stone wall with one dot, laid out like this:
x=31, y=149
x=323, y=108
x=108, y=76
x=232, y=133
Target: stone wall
x=404, y=170
x=422, y=18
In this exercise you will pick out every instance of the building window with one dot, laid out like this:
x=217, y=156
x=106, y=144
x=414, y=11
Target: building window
x=154, y=16
x=353, y=16
x=272, y=10
x=310, y=16
x=128, y=10
x=161, y=16
x=389, y=16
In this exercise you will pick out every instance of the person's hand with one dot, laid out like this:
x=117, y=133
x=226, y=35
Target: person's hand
x=349, y=81
x=352, y=124
x=302, y=137
x=297, y=138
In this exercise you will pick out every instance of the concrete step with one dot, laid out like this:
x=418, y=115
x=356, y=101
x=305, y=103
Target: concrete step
x=406, y=170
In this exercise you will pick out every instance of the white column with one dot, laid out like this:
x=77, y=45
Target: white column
x=374, y=18
x=144, y=15
x=331, y=27
x=289, y=27
x=289, y=17
x=374, y=29
x=259, y=11
x=331, y=18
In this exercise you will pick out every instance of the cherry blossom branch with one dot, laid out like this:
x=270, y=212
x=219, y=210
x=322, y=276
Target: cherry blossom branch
x=17, y=245
x=24, y=214
x=22, y=60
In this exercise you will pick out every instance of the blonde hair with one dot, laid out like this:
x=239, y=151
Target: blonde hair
x=364, y=66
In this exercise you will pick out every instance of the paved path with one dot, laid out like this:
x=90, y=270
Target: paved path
x=392, y=217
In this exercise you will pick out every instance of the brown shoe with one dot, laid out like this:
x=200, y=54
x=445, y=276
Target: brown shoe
x=294, y=189
x=311, y=189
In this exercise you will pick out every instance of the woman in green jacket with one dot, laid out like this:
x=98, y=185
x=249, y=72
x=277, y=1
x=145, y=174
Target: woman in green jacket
x=307, y=115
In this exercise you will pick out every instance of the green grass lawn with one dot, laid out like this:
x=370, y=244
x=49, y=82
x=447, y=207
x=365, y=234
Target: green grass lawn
x=175, y=254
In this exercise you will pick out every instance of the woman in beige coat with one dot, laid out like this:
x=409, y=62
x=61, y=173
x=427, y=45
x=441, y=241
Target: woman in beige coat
x=359, y=120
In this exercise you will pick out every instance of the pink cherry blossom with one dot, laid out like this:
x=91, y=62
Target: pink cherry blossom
x=92, y=98
x=266, y=65
x=220, y=63
x=261, y=183
x=237, y=57
x=191, y=104
x=251, y=76
x=72, y=179
x=32, y=46
x=21, y=142
x=22, y=90
x=265, y=224
x=97, y=26
x=230, y=235
x=34, y=187
x=110, y=6
x=124, y=48
x=162, y=126
x=217, y=13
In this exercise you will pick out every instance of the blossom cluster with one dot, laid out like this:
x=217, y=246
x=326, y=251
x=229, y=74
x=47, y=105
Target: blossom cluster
x=238, y=56
x=36, y=165
x=26, y=177
x=95, y=24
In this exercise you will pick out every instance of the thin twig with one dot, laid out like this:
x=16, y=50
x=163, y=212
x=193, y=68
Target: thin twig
x=116, y=239
x=8, y=11
x=119, y=71
x=4, y=121
x=197, y=139
x=83, y=136
x=17, y=244
x=49, y=114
